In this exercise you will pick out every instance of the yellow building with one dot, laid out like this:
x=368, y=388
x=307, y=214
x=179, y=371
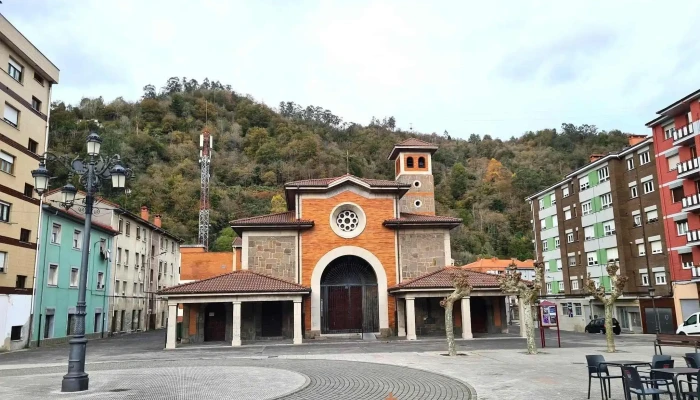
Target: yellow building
x=25, y=98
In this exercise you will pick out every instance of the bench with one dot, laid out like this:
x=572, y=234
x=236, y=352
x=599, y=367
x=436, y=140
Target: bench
x=676, y=341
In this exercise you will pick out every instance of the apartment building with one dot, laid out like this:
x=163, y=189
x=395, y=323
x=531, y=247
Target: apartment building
x=606, y=211
x=145, y=259
x=25, y=98
x=675, y=133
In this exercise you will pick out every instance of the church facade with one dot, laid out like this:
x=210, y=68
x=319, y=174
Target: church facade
x=350, y=256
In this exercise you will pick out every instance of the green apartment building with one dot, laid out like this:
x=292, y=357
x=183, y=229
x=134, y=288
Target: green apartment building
x=58, y=274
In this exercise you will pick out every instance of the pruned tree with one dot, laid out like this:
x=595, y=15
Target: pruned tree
x=462, y=287
x=617, y=285
x=528, y=292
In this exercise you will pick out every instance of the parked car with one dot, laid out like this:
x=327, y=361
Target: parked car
x=690, y=326
x=598, y=326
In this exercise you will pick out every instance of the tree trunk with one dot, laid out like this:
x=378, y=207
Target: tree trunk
x=609, y=334
x=529, y=327
x=449, y=328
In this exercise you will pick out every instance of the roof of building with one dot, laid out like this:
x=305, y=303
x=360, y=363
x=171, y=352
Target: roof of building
x=326, y=182
x=241, y=281
x=412, y=144
x=498, y=264
x=408, y=219
x=285, y=219
x=442, y=278
x=200, y=265
x=238, y=242
x=71, y=214
x=673, y=108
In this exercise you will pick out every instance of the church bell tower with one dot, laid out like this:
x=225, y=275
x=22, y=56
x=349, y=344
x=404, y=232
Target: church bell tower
x=413, y=160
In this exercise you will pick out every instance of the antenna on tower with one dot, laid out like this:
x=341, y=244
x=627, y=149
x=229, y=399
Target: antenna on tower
x=205, y=146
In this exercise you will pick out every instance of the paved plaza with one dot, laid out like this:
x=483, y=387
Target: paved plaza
x=136, y=367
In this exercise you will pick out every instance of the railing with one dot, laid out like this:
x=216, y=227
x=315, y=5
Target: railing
x=683, y=133
x=689, y=166
x=691, y=201
x=695, y=271
x=693, y=236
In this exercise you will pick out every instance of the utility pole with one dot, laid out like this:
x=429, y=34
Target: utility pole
x=205, y=146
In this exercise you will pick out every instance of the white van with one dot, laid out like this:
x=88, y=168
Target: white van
x=691, y=326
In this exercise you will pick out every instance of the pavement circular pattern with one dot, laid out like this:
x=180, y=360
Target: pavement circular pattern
x=241, y=378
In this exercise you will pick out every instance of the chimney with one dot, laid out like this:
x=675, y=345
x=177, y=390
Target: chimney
x=596, y=157
x=156, y=220
x=144, y=213
x=635, y=139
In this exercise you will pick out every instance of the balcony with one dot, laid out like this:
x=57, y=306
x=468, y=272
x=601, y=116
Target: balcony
x=691, y=203
x=683, y=134
x=689, y=168
x=693, y=237
x=695, y=271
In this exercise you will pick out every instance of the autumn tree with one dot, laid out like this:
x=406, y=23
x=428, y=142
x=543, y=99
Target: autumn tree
x=278, y=204
x=617, y=285
x=512, y=282
x=462, y=287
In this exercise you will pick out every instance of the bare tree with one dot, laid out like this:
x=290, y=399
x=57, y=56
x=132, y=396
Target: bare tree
x=460, y=281
x=528, y=292
x=617, y=284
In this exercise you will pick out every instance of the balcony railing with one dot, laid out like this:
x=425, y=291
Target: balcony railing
x=693, y=237
x=683, y=134
x=689, y=167
x=695, y=271
x=691, y=202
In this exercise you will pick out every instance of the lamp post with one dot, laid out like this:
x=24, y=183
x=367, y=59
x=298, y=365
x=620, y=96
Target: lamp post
x=652, y=291
x=92, y=170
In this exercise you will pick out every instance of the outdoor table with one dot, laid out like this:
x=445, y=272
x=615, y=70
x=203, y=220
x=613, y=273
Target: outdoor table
x=624, y=363
x=676, y=372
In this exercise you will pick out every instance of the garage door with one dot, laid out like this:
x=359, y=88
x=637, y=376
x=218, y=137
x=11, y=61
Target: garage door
x=689, y=307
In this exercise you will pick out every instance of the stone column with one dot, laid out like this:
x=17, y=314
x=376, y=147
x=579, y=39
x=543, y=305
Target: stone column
x=521, y=314
x=401, y=311
x=297, y=321
x=466, y=318
x=410, y=318
x=172, y=325
x=236, y=324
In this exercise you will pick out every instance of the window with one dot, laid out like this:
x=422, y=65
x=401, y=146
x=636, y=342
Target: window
x=668, y=132
x=630, y=164
x=559, y=265
x=74, y=277
x=609, y=227
x=116, y=286
x=53, y=275
x=24, y=235
x=588, y=233
x=570, y=237
x=14, y=69
x=409, y=162
x=545, y=247
x=541, y=202
x=682, y=227
x=135, y=287
x=554, y=198
x=28, y=190
x=138, y=232
x=578, y=310
x=606, y=200
x=7, y=163
x=652, y=216
x=98, y=322
x=656, y=247
x=572, y=261
x=56, y=234
x=123, y=287
x=543, y=224
x=592, y=258
x=4, y=212
x=633, y=192
x=561, y=286
x=677, y=194
x=565, y=192
x=583, y=183
x=421, y=162
x=586, y=208
x=32, y=146
x=39, y=79
x=128, y=228
x=645, y=279
x=687, y=260
x=644, y=158
x=648, y=186
x=16, y=333
x=603, y=174
x=673, y=162
x=555, y=222
x=172, y=247
x=21, y=281
x=36, y=104
x=11, y=115
x=567, y=215
x=3, y=261
x=549, y=287
x=126, y=257
x=77, y=239
x=637, y=220
x=48, y=326
x=71, y=325
x=641, y=250
x=556, y=243
x=660, y=278
x=612, y=254
x=100, y=280
x=137, y=258
x=121, y=225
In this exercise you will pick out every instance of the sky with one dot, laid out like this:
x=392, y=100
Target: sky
x=489, y=67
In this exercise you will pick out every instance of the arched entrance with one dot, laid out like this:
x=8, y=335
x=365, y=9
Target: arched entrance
x=349, y=297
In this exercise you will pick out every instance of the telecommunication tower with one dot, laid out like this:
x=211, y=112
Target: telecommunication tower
x=205, y=146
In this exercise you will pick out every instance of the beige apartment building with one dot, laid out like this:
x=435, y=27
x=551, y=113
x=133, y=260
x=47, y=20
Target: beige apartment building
x=25, y=98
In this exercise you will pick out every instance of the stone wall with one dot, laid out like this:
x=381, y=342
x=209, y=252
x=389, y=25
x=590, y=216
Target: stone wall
x=272, y=255
x=421, y=252
x=422, y=188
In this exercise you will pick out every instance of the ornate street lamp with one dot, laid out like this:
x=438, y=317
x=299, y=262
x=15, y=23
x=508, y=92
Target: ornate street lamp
x=652, y=292
x=92, y=170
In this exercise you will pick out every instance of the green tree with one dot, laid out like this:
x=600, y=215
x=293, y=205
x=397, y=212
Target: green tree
x=224, y=240
x=278, y=204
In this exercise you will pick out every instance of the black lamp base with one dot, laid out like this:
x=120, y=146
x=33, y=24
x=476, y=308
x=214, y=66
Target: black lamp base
x=75, y=383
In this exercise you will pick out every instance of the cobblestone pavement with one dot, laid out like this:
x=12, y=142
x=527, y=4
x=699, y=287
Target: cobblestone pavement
x=240, y=379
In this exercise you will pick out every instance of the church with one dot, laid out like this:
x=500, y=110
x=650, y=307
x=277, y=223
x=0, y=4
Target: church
x=350, y=256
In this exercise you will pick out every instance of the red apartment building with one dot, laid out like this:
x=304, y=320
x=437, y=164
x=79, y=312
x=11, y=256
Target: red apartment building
x=676, y=137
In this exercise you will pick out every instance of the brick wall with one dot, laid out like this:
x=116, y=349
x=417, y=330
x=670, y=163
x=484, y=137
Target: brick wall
x=202, y=265
x=421, y=253
x=272, y=255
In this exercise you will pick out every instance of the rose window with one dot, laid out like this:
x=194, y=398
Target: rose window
x=347, y=220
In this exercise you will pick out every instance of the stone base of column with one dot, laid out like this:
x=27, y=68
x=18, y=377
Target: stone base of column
x=297, y=340
x=236, y=342
x=411, y=337
x=467, y=335
x=385, y=332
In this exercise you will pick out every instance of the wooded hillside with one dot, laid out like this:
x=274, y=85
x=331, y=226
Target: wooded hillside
x=258, y=147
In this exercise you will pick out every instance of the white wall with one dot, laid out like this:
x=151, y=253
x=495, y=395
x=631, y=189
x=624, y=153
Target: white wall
x=14, y=310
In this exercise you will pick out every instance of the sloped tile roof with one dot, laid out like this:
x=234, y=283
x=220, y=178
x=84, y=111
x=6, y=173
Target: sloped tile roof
x=412, y=143
x=325, y=182
x=283, y=218
x=237, y=242
x=241, y=281
x=415, y=142
x=418, y=219
x=442, y=278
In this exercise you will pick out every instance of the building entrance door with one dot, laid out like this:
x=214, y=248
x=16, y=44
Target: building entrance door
x=215, y=322
x=349, y=297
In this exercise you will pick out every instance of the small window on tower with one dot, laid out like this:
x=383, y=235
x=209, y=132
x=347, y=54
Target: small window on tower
x=421, y=162
x=417, y=203
x=409, y=162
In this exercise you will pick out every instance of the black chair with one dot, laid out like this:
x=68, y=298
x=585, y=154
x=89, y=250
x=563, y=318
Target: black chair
x=657, y=378
x=635, y=385
x=692, y=360
x=600, y=372
x=654, y=359
x=690, y=393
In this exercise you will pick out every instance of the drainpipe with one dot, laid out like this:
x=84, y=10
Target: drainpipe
x=105, y=296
